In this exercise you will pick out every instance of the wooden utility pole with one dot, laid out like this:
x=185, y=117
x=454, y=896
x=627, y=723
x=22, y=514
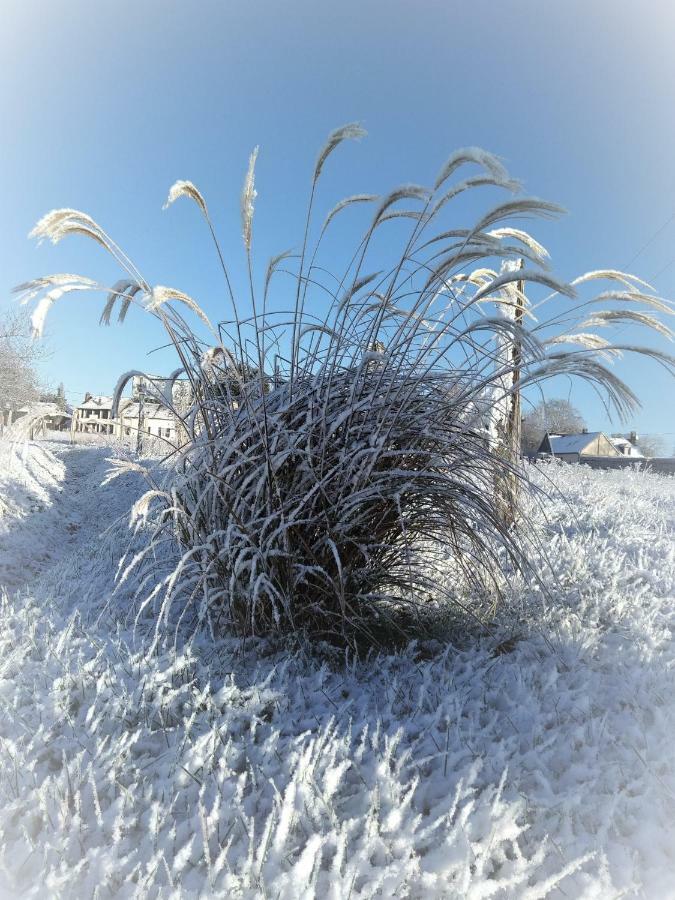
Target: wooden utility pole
x=514, y=419
x=141, y=421
x=508, y=412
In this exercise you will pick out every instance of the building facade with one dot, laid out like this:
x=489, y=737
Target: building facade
x=573, y=447
x=154, y=420
x=142, y=412
x=93, y=415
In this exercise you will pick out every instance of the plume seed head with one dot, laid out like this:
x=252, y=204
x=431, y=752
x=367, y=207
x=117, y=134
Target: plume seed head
x=55, y=225
x=248, y=196
x=487, y=161
x=351, y=132
x=161, y=295
x=39, y=314
x=186, y=189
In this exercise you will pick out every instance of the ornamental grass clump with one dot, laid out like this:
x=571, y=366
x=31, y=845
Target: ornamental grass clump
x=346, y=464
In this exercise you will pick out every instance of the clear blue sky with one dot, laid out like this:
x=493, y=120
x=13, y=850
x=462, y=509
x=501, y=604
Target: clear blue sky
x=104, y=105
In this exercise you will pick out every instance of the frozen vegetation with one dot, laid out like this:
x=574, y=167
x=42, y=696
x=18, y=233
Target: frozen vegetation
x=532, y=761
x=343, y=474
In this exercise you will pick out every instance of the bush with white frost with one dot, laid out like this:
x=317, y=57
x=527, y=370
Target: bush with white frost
x=340, y=452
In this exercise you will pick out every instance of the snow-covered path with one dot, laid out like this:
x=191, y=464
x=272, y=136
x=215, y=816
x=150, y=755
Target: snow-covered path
x=56, y=504
x=538, y=768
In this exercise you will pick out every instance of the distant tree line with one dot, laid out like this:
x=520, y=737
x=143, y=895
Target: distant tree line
x=19, y=381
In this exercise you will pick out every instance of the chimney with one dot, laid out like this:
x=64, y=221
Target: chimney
x=633, y=438
x=87, y=397
x=584, y=430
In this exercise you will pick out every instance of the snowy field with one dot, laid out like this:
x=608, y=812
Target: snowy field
x=536, y=761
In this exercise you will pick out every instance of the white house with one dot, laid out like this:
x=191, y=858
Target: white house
x=157, y=420
x=571, y=447
x=144, y=410
x=94, y=415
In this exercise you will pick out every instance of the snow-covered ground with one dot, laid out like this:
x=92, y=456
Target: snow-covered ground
x=536, y=761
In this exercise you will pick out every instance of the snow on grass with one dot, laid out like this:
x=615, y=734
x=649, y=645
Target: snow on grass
x=534, y=761
x=51, y=501
x=28, y=472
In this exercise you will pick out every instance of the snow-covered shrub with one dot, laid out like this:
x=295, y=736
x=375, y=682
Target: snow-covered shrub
x=341, y=451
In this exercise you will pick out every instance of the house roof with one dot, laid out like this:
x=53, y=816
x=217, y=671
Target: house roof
x=160, y=412
x=624, y=444
x=572, y=443
x=41, y=408
x=130, y=410
x=96, y=403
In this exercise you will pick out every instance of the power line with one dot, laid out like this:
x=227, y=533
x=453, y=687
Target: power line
x=650, y=241
x=661, y=271
x=642, y=249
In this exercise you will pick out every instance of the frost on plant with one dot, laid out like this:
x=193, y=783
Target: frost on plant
x=340, y=453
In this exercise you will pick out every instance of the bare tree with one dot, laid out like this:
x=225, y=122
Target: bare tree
x=18, y=380
x=652, y=445
x=57, y=397
x=556, y=416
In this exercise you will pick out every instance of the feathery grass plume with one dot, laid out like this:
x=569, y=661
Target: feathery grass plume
x=631, y=281
x=583, y=339
x=354, y=289
x=57, y=223
x=31, y=289
x=161, y=295
x=351, y=132
x=660, y=305
x=248, y=196
x=487, y=161
x=37, y=319
x=526, y=207
x=39, y=315
x=273, y=265
x=405, y=192
x=341, y=459
x=120, y=467
x=343, y=204
x=612, y=316
x=141, y=508
x=186, y=189
x=540, y=253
